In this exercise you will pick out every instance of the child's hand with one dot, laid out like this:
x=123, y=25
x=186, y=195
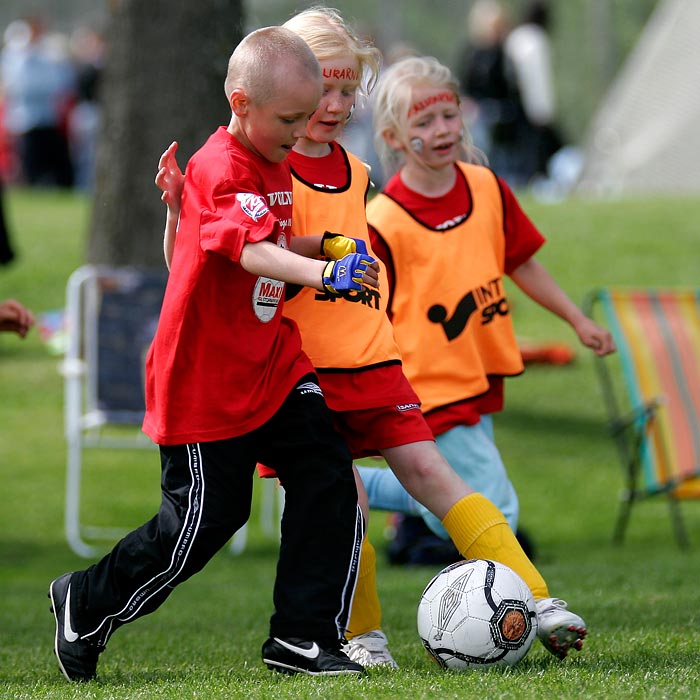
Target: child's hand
x=170, y=179
x=351, y=273
x=335, y=245
x=371, y=275
x=595, y=337
x=15, y=318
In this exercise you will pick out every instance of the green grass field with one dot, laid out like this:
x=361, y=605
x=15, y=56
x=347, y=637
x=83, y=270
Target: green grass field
x=640, y=600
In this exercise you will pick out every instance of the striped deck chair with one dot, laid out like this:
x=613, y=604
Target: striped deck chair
x=656, y=423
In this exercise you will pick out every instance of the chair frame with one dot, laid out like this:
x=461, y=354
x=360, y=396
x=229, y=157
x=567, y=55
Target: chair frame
x=84, y=418
x=85, y=415
x=639, y=432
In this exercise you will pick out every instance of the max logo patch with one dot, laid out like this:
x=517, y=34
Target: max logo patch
x=489, y=299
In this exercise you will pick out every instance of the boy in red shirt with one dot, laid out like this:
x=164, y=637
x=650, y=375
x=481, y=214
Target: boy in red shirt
x=227, y=385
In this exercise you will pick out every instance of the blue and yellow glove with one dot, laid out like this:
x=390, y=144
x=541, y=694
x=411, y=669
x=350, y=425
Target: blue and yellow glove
x=347, y=273
x=336, y=246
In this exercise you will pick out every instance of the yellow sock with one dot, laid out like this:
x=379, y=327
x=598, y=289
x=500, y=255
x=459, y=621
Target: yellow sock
x=366, y=612
x=480, y=531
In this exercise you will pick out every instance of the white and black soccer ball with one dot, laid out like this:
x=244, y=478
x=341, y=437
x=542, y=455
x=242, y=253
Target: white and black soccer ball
x=476, y=614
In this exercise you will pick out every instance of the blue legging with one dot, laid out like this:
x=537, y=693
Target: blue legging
x=472, y=453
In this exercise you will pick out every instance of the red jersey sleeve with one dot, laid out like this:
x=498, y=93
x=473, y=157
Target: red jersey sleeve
x=523, y=239
x=230, y=216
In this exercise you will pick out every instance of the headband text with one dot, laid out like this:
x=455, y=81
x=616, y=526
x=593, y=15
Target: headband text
x=433, y=99
x=349, y=74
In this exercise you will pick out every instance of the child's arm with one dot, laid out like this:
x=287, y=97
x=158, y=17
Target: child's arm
x=534, y=279
x=267, y=259
x=171, y=180
x=351, y=272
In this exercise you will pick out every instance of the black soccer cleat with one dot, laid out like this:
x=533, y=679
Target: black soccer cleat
x=295, y=655
x=77, y=657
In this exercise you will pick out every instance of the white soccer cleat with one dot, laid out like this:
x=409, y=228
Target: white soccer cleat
x=558, y=628
x=370, y=649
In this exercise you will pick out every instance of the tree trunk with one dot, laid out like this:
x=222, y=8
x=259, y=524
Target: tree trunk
x=163, y=81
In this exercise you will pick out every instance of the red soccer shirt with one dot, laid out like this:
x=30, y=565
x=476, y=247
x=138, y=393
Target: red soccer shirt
x=223, y=358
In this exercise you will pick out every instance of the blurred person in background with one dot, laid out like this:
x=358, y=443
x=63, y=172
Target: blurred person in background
x=87, y=49
x=528, y=50
x=38, y=85
x=490, y=94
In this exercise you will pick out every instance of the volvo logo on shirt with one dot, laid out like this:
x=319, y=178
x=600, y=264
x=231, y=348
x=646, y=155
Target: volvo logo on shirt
x=489, y=298
x=252, y=204
x=283, y=198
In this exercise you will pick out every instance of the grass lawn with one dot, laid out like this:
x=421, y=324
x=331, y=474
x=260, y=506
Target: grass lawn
x=640, y=600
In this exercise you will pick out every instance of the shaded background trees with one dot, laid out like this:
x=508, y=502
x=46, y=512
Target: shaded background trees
x=163, y=81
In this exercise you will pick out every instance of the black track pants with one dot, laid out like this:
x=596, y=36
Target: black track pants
x=206, y=497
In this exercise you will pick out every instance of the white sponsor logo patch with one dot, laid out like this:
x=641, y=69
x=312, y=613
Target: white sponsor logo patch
x=268, y=293
x=407, y=406
x=252, y=204
x=266, y=298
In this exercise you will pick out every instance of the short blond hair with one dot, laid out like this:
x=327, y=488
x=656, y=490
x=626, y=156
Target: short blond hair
x=263, y=59
x=393, y=101
x=330, y=36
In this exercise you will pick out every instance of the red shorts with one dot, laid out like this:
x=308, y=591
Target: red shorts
x=370, y=430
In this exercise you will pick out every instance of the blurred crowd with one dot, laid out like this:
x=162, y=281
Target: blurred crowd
x=49, y=112
x=506, y=77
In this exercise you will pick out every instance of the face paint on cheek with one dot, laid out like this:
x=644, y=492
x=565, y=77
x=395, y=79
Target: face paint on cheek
x=417, y=144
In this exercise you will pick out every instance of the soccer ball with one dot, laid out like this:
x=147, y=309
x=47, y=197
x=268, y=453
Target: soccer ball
x=476, y=614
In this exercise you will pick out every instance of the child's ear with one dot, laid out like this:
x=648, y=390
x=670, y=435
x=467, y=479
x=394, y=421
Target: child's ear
x=238, y=99
x=392, y=140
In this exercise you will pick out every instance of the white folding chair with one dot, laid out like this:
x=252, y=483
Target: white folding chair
x=111, y=316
